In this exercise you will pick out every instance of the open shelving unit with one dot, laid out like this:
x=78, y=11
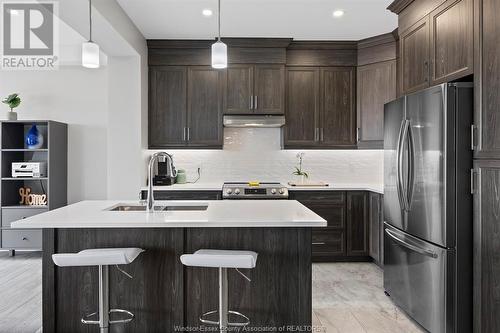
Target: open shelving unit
x=54, y=152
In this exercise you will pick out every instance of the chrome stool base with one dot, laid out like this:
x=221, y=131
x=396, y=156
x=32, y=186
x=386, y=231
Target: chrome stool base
x=130, y=317
x=205, y=320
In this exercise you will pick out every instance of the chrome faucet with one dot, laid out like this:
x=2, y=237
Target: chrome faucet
x=161, y=156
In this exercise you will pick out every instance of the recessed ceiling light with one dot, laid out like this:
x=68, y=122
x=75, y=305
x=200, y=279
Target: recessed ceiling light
x=207, y=12
x=338, y=13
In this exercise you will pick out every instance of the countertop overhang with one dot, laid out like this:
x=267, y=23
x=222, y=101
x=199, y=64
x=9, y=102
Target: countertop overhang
x=220, y=213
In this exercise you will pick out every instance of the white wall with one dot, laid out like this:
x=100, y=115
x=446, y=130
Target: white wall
x=78, y=97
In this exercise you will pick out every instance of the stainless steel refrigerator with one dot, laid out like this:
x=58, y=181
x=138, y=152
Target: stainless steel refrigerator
x=428, y=206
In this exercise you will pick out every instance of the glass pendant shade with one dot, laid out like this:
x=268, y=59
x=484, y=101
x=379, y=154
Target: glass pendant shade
x=90, y=55
x=219, y=55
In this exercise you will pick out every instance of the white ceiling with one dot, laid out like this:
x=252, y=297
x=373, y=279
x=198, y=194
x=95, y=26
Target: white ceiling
x=298, y=19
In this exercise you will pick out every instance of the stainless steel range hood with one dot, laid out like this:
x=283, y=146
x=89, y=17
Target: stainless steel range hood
x=264, y=121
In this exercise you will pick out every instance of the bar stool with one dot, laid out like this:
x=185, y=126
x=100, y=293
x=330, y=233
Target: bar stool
x=222, y=259
x=102, y=258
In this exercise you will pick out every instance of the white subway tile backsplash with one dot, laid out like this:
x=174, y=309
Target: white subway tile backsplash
x=255, y=154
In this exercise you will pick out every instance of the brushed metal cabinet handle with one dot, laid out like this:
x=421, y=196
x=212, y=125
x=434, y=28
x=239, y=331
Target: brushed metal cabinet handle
x=472, y=141
x=357, y=134
x=472, y=185
x=251, y=102
x=321, y=133
x=188, y=134
x=318, y=243
x=256, y=103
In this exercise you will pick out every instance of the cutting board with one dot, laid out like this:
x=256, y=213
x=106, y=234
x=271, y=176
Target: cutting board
x=309, y=184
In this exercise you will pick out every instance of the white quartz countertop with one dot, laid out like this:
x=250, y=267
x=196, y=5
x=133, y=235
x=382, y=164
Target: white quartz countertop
x=214, y=186
x=220, y=213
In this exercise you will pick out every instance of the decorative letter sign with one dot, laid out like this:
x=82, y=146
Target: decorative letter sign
x=29, y=199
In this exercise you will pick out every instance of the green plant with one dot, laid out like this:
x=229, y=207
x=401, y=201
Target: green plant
x=13, y=101
x=298, y=169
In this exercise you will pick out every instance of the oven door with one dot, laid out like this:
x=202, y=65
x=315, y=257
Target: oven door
x=418, y=277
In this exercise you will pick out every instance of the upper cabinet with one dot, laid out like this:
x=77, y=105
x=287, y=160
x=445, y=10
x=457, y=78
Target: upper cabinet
x=376, y=85
x=320, y=110
x=185, y=107
x=414, y=53
x=451, y=41
x=487, y=84
x=436, y=44
x=255, y=89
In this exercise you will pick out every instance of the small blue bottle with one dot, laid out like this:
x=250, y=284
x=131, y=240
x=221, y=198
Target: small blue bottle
x=34, y=140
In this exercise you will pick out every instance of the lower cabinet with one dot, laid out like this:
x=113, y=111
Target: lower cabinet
x=486, y=256
x=183, y=195
x=19, y=239
x=347, y=237
x=376, y=222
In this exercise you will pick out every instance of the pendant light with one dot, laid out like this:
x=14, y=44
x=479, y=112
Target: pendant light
x=219, y=49
x=90, y=50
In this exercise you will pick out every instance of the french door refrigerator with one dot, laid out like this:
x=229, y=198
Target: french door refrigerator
x=428, y=206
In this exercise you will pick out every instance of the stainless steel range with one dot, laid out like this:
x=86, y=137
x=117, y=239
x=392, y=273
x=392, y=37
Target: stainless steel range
x=254, y=190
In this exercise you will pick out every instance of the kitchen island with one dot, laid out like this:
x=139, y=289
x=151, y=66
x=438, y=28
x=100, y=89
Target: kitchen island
x=164, y=295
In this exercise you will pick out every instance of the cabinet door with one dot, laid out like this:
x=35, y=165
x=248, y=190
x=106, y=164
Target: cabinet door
x=167, y=106
x=451, y=41
x=376, y=86
x=357, y=224
x=205, y=96
x=269, y=89
x=414, y=53
x=487, y=84
x=302, y=107
x=374, y=226
x=486, y=247
x=239, y=89
x=337, y=120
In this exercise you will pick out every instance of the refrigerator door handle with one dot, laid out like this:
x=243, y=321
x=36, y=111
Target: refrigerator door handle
x=411, y=166
x=412, y=247
x=401, y=185
x=399, y=167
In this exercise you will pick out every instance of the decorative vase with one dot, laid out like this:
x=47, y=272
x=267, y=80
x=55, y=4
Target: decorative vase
x=11, y=115
x=34, y=140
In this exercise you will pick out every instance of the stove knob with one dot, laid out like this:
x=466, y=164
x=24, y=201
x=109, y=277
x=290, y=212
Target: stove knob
x=229, y=191
x=237, y=191
x=273, y=191
x=282, y=191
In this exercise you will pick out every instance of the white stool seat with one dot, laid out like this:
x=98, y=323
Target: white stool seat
x=97, y=257
x=220, y=258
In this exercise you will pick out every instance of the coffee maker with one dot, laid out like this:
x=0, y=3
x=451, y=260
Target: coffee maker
x=165, y=172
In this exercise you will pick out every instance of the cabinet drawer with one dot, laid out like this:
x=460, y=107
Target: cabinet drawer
x=22, y=239
x=328, y=242
x=334, y=214
x=335, y=197
x=10, y=215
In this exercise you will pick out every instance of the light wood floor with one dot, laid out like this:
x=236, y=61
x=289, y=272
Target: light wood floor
x=347, y=298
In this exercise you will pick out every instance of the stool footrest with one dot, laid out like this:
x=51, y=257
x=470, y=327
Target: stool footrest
x=129, y=318
x=205, y=320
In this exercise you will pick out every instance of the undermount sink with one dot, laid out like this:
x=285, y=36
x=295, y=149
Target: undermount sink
x=141, y=208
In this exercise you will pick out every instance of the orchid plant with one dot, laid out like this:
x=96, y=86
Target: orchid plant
x=298, y=169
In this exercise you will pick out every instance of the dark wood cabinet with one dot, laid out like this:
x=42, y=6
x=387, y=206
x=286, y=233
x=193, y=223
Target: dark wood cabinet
x=337, y=111
x=186, y=104
x=486, y=246
x=486, y=78
x=167, y=106
x=302, y=107
x=255, y=89
x=346, y=238
x=376, y=85
x=320, y=110
x=414, y=53
x=451, y=46
x=357, y=224
x=205, y=98
x=376, y=227
x=239, y=98
x=183, y=195
x=439, y=46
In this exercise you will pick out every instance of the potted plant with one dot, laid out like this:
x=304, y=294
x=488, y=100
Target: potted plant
x=13, y=101
x=298, y=170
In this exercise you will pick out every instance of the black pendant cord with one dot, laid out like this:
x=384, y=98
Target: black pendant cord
x=90, y=21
